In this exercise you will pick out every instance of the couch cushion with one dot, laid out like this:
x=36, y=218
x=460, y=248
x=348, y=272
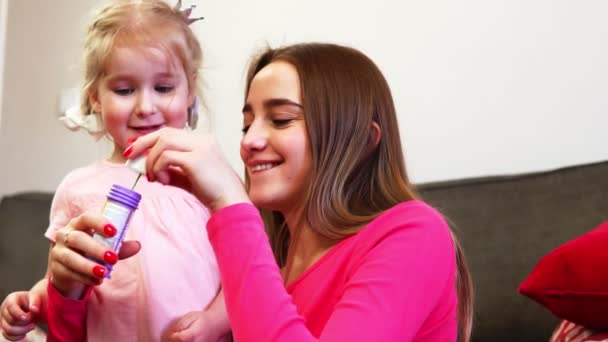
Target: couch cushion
x=23, y=247
x=506, y=224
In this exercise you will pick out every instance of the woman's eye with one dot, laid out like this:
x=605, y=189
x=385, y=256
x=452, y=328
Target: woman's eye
x=164, y=89
x=281, y=122
x=245, y=129
x=123, y=91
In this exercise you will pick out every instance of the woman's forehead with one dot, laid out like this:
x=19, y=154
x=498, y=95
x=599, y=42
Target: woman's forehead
x=278, y=80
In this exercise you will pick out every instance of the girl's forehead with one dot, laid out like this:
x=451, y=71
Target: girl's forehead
x=156, y=53
x=126, y=57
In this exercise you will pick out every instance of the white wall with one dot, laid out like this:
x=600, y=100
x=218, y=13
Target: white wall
x=3, y=10
x=482, y=87
x=42, y=56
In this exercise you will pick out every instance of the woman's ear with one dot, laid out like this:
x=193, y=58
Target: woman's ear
x=376, y=133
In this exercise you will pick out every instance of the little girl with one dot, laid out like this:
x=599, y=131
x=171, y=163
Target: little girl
x=141, y=72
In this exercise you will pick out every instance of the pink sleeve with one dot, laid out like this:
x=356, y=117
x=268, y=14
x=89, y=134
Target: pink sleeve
x=66, y=318
x=408, y=267
x=62, y=210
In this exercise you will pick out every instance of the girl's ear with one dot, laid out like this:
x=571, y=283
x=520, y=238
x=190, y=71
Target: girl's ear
x=192, y=92
x=192, y=117
x=376, y=133
x=94, y=101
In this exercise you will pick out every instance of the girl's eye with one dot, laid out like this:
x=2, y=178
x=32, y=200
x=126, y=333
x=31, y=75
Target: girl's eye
x=123, y=91
x=245, y=129
x=164, y=89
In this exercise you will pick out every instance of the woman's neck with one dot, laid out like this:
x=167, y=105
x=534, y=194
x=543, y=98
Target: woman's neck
x=308, y=248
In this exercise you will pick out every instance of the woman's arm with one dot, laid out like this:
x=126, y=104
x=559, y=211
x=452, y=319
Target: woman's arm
x=258, y=305
x=388, y=296
x=72, y=274
x=66, y=317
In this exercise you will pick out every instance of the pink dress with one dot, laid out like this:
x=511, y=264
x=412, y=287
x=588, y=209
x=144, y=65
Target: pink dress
x=395, y=280
x=174, y=273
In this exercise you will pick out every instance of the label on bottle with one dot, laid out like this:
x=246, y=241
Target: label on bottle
x=118, y=215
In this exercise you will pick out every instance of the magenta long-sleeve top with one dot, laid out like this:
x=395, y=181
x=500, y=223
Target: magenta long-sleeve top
x=394, y=280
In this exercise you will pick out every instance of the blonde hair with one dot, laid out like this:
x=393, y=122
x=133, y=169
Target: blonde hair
x=138, y=23
x=343, y=93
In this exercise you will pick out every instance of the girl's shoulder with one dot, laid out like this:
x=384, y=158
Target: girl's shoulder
x=85, y=174
x=81, y=189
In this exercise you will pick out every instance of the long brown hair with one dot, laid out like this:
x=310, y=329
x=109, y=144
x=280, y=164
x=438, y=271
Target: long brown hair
x=352, y=180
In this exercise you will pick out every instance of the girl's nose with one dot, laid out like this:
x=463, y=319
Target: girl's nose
x=145, y=104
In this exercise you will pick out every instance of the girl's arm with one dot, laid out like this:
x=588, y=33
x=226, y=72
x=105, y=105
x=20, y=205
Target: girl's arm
x=21, y=309
x=38, y=292
x=218, y=316
x=209, y=325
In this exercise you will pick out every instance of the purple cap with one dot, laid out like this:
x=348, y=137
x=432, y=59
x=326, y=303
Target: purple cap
x=124, y=196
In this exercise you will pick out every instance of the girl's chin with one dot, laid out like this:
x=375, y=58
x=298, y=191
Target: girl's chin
x=117, y=160
x=143, y=131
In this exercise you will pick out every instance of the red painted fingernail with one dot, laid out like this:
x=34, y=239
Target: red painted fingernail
x=131, y=140
x=127, y=152
x=148, y=177
x=99, y=271
x=110, y=257
x=109, y=230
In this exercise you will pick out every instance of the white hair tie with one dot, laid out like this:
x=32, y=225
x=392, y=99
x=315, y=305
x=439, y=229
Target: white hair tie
x=74, y=120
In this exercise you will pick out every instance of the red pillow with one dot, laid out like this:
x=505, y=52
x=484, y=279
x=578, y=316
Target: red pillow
x=572, y=280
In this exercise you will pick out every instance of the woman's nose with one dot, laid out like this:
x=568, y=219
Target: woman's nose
x=256, y=137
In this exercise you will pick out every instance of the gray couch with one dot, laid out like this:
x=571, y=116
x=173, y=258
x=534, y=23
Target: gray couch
x=23, y=248
x=506, y=225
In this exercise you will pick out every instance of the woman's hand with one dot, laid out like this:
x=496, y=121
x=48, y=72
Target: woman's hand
x=193, y=162
x=69, y=269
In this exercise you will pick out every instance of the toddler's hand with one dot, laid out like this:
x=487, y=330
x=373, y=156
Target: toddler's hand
x=18, y=313
x=194, y=326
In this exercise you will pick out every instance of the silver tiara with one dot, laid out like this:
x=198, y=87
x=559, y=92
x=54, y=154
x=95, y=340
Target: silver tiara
x=186, y=12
